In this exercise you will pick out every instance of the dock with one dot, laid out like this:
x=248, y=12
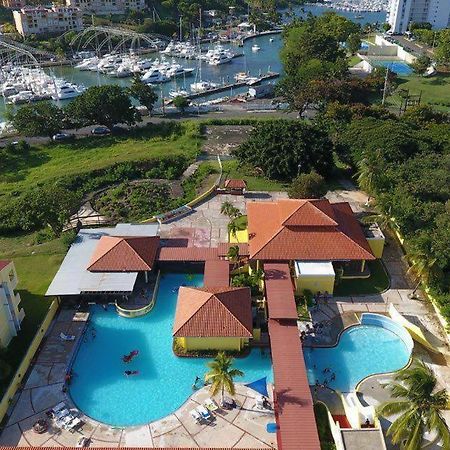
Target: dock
x=228, y=86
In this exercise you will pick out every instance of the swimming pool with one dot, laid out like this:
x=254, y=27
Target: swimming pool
x=399, y=67
x=378, y=345
x=99, y=387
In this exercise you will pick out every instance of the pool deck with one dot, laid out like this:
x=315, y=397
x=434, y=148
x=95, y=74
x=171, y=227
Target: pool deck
x=242, y=427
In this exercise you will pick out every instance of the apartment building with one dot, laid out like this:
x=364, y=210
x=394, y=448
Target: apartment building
x=106, y=7
x=40, y=20
x=11, y=315
x=402, y=12
x=13, y=4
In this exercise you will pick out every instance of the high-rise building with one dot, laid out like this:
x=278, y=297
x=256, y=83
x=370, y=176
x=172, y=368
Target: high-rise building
x=40, y=20
x=11, y=315
x=402, y=12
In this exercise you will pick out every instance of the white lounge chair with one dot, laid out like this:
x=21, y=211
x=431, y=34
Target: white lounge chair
x=210, y=404
x=64, y=421
x=59, y=407
x=72, y=424
x=67, y=337
x=204, y=412
x=61, y=413
x=196, y=416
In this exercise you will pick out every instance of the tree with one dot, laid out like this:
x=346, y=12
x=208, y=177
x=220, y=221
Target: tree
x=308, y=185
x=442, y=52
x=142, y=92
x=281, y=149
x=222, y=374
x=105, y=105
x=418, y=405
x=180, y=102
x=354, y=43
x=38, y=119
x=50, y=206
x=233, y=229
x=226, y=208
x=368, y=171
x=423, y=115
x=233, y=255
x=421, y=64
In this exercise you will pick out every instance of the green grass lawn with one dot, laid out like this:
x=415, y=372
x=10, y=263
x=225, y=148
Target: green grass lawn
x=232, y=169
x=435, y=90
x=36, y=265
x=376, y=283
x=85, y=155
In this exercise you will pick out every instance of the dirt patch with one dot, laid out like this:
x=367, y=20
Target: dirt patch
x=221, y=139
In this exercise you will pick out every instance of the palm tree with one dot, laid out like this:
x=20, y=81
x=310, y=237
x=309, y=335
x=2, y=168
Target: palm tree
x=226, y=208
x=418, y=405
x=367, y=173
x=233, y=255
x=222, y=374
x=233, y=229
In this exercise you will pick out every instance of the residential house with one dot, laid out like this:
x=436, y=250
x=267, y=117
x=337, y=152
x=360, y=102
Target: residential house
x=11, y=314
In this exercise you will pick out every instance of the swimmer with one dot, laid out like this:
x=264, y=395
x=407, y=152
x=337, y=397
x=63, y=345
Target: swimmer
x=131, y=372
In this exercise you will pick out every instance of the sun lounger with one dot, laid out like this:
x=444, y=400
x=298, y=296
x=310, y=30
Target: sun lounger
x=62, y=413
x=64, y=421
x=210, y=404
x=83, y=442
x=67, y=337
x=60, y=406
x=73, y=423
x=196, y=416
x=204, y=412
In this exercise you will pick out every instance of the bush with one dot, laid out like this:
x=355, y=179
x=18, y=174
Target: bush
x=308, y=185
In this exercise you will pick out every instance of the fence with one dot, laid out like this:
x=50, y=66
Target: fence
x=17, y=381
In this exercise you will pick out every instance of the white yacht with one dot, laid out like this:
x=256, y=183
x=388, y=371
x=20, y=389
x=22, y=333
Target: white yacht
x=256, y=48
x=201, y=86
x=154, y=76
x=67, y=91
x=178, y=93
x=219, y=59
x=141, y=65
x=175, y=72
x=20, y=97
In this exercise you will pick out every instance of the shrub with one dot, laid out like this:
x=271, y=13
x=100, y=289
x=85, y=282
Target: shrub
x=308, y=185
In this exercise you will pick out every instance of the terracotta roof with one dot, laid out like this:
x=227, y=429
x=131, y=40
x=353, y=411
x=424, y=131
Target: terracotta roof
x=279, y=291
x=4, y=263
x=188, y=254
x=131, y=448
x=294, y=410
x=223, y=248
x=213, y=312
x=217, y=273
x=235, y=184
x=314, y=230
x=124, y=254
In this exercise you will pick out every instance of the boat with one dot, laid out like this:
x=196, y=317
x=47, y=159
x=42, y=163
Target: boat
x=67, y=91
x=220, y=59
x=154, y=76
x=202, y=86
x=20, y=97
x=271, y=39
x=178, y=93
x=256, y=48
x=178, y=71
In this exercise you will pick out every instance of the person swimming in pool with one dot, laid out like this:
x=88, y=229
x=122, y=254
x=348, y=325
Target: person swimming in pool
x=131, y=372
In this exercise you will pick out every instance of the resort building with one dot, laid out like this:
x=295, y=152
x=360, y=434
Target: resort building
x=218, y=318
x=402, y=12
x=11, y=314
x=40, y=20
x=13, y=4
x=106, y=7
x=318, y=239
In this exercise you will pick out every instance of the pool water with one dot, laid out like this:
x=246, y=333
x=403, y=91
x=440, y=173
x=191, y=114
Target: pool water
x=399, y=67
x=362, y=350
x=102, y=391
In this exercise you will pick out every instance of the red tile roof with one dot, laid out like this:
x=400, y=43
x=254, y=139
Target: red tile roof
x=279, y=292
x=213, y=312
x=294, y=410
x=124, y=254
x=216, y=273
x=131, y=448
x=4, y=263
x=314, y=230
x=223, y=248
x=187, y=254
x=235, y=184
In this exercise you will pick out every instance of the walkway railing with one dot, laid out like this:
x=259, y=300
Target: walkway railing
x=131, y=313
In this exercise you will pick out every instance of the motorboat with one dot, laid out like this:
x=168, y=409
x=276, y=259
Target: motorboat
x=20, y=97
x=178, y=93
x=154, y=76
x=201, y=86
x=143, y=64
x=256, y=48
x=220, y=59
x=178, y=71
x=241, y=77
x=67, y=91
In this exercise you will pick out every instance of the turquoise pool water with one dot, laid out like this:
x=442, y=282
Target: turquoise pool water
x=362, y=350
x=399, y=67
x=102, y=391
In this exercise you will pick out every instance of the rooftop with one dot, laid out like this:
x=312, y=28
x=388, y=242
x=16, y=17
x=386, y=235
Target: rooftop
x=4, y=263
x=217, y=273
x=213, y=312
x=73, y=276
x=314, y=230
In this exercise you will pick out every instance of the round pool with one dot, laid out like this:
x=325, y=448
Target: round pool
x=362, y=350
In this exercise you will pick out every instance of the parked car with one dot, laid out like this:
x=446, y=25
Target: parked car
x=101, y=131
x=63, y=137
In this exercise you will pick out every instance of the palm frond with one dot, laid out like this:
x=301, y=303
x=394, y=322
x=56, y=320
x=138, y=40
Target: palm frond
x=414, y=439
x=394, y=407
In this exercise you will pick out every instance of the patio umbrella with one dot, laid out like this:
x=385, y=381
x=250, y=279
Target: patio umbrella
x=259, y=386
